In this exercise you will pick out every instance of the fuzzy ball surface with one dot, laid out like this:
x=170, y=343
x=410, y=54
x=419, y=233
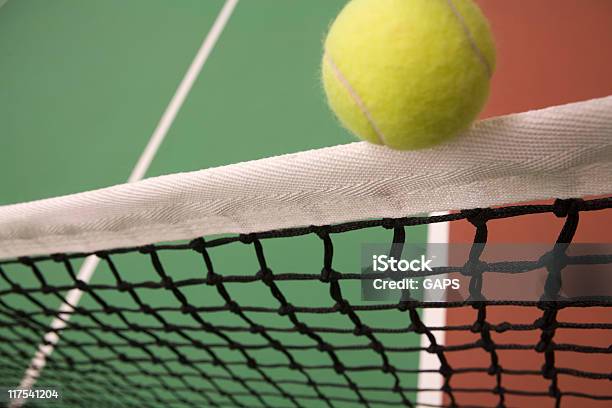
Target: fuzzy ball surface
x=408, y=74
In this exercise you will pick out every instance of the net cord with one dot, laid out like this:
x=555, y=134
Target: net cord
x=559, y=152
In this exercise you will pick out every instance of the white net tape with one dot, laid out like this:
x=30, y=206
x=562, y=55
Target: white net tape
x=559, y=152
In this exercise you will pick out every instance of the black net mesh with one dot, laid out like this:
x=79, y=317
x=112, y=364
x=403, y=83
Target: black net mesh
x=222, y=323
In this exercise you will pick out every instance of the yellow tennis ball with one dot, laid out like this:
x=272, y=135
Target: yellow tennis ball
x=408, y=73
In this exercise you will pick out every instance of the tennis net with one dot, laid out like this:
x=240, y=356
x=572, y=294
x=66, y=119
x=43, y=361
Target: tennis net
x=124, y=347
x=241, y=286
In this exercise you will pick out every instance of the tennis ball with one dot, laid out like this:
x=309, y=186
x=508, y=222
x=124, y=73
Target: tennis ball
x=408, y=73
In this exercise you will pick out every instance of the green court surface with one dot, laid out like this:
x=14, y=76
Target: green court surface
x=83, y=85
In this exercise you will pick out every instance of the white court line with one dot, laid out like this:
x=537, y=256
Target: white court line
x=89, y=265
x=437, y=233
x=182, y=91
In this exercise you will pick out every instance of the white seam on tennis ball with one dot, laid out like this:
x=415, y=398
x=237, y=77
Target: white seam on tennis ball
x=355, y=96
x=470, y=37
